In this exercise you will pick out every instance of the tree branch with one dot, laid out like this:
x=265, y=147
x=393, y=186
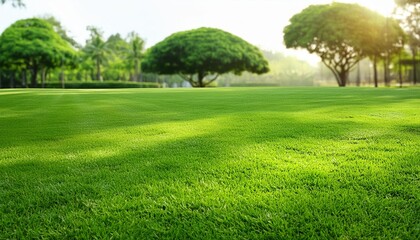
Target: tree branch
x=189, y=79
x=335, y=72
x=211, y=80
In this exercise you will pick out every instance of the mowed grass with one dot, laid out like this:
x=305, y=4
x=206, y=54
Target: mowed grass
x=233, y=163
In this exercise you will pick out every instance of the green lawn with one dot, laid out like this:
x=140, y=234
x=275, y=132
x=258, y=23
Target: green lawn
x=232, y=163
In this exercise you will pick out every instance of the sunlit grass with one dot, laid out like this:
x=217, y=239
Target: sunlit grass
x=210, y=163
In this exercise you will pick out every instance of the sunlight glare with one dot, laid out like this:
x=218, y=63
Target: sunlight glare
x=384, y=7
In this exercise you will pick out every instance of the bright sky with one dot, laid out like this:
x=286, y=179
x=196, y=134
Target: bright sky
x=259, y=22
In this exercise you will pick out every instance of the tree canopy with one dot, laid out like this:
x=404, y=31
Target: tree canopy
x=202, y=54
x=341, y=39
x=33, y=44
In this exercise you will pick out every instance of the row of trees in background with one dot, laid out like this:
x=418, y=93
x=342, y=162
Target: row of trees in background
x=342, y=44
x=41, y=48
x=120, y=55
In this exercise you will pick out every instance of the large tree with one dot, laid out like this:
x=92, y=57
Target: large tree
x=33, y=44
x=201, y=55
x=336, y=32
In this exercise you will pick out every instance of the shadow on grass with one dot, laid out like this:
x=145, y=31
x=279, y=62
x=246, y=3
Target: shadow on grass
x=55, y=115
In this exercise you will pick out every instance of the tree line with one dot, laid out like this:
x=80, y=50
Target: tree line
x=341, y=34
x=344, y=34
x=41, y=48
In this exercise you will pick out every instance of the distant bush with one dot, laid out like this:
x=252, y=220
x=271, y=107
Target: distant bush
x=84, y=85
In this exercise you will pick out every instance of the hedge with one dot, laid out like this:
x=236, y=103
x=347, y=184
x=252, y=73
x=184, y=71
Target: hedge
x=84, y=85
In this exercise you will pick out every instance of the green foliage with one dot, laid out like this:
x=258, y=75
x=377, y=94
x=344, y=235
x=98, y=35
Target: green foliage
x=203, y=52
x=124, y=58
x=135, y=53
x=117, y=45
x=33, y=44
x=114, y=59
x=341, y=34
x=256, y=163
x=97, y=49
x=116, y=68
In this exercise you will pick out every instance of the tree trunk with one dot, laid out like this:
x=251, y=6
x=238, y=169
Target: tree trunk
x=340, y=76
x=386, y=71
x=414, y=66
x=136, y=70
x=34, y=82
x=375, y=71
x=62, y=78
x=200, y=79
x=385, y=76
x=43, y=74
x=359, y=78
x=98, y=70
x=344, y=76
x=400, y=70
x=12, y=80
x=24, y=80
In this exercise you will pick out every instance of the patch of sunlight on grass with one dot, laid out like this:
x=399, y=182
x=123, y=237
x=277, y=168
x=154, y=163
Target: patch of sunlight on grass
x=113, y=142
x=11, y=92
x=8, y=113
